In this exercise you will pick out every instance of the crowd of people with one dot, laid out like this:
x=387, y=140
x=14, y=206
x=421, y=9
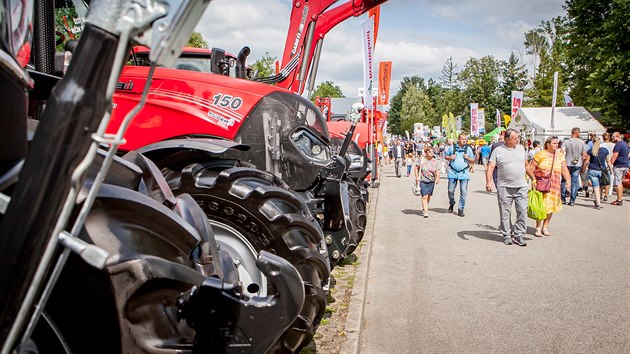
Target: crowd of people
x=559, y=169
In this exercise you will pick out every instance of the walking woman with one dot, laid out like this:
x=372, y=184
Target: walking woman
x=428, y=174
x=598, y=164
x=550, y=161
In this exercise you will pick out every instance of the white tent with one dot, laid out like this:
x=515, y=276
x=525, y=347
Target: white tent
x=535, y=122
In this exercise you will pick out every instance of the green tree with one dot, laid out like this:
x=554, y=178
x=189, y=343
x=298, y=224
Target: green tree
x=480, y=77
x=395, y=115
x=264, y=66
x=196, y=40
x=417, y=108
x=550, y=50
x=448, y=79
x=514, y=79
x=598, y=57
x=535, y=42
x=327, y=89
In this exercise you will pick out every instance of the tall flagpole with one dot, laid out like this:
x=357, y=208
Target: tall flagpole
x=553, y=99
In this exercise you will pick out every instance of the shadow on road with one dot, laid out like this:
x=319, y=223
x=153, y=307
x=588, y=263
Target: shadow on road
x=485, y=235
x=412, y=211
x=490, y=233
x=439, y=210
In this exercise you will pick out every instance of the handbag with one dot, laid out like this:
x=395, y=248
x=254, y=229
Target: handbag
x=543, y=183
x=605, y=179
x=415, y=188
x=535, y=205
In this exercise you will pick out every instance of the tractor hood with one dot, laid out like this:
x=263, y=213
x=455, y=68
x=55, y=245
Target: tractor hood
x=340, y=128
x=287, y=133
x=184, y=103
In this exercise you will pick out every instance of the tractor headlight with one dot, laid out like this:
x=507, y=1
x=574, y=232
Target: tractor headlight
x=310, y=146
x=356, y=161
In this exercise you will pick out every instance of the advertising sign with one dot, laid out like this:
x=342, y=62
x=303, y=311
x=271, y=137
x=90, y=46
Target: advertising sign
x=517, y=101
x=474, y=115
x=384, y=80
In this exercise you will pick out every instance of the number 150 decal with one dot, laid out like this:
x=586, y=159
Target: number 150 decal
x=222, y=100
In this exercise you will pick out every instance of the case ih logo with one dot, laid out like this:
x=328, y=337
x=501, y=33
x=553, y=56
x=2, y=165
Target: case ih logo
x=127, y=86
x=300, y=30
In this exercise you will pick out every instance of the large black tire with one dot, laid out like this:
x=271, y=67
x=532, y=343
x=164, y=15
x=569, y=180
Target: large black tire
x=358, y=216
x=260, y=207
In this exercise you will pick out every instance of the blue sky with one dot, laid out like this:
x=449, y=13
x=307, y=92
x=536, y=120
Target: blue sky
x=418, y=36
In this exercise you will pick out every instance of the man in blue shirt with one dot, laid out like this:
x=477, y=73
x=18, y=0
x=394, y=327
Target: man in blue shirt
x=459, y=157
x=485, y=154
x=620, y=164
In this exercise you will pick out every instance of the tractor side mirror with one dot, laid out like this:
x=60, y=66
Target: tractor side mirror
x=218, y=62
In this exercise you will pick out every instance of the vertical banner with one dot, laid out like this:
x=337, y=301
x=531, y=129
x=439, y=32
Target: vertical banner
x=375, y=13
x=384, y=80
x=368, y=54
x=498, y=118
x=367, y=28
x=474, y=115
x=517, y=101
x=553, y=98
x=452, y=125
x=481, y=121
x=445, y=125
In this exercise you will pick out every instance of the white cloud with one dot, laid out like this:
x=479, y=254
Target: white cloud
x=417, y=36
x=233, y=24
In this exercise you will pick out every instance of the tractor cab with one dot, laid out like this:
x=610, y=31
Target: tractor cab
x=216, y=61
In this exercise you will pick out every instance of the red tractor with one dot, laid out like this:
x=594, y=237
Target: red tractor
x=192, y=116
x=97, y=254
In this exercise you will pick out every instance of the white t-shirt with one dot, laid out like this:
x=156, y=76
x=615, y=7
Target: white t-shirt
x=609, y=146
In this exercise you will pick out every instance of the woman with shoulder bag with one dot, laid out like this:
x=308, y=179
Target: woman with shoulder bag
x=549, y=167
x=428, y=174
x=597, y=169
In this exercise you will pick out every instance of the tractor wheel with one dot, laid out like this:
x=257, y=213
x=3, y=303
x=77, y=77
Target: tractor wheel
x=250, y=211
x=358, y=216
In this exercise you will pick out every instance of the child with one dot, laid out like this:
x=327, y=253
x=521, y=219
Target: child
x=409, y=163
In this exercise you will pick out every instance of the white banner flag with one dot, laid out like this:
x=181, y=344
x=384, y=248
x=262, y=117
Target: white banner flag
x=481, y=121
x=368, y=55
x=517, y=101
x=474, y=116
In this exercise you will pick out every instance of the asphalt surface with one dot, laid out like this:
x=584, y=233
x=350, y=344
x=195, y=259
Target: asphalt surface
x=447, y=284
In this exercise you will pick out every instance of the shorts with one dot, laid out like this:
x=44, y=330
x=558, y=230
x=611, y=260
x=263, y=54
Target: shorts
x=619, y=172
x=594, y=176
x=426, y=188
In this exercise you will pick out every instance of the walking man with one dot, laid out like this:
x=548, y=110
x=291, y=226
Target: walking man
x=620, y=164
x=399, y=155
x=575, y=154
x=510, y=160
x=459, y=155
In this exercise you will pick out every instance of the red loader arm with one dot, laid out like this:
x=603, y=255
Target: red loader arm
x=310, y=21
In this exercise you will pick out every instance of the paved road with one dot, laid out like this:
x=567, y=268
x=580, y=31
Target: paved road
x=448, y=284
